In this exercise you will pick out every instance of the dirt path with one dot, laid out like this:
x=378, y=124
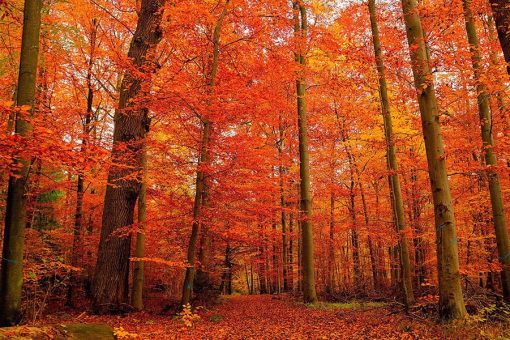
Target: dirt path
x=267, y=317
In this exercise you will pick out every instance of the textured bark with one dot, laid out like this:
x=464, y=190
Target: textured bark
x=201, y=188
x=451, y=301
x=391, y=156
x=498, y=210
x=301, y=29
x=11, y=280
x=111, y=277
x=501, y=13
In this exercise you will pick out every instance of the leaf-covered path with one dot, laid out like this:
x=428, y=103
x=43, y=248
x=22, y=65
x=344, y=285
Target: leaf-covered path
x=278, y=317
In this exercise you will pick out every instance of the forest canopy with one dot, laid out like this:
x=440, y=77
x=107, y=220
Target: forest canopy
x=159, y=156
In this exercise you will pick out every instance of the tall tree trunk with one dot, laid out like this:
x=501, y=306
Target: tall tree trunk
x=138, y=266
x=274, y=262
x=290, y=261
x=111, y=277
x=451, y=301
x=283, y=205
x=262, y=271
x=358, y=279
x=195, y=228
x=330, y=283
x=77, y=250
x=395, y=190
x=15, y=216
x=501, y=13
x=498, y=210
x=201, y=188
x=301, y=28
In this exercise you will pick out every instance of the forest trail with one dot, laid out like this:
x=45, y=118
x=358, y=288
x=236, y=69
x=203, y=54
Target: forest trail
x=278, y=317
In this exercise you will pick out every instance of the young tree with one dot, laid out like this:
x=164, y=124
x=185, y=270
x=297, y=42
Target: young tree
x=301, y=29
x=391, y=157
x=80, y=187
x=451, y=301
x=110, y=286
x=498, y=210
x=138, y=266
x=201, y=187
x=15, y=216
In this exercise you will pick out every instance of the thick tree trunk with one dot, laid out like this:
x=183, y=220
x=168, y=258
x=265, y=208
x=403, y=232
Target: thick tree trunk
x=498, y=210
x=451, y=301
x=301, y=28
x=15, y=217
x=111, y=277
x=501, y=13
x=395, y=190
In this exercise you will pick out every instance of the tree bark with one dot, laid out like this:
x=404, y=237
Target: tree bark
x=498, y=210
x=301, y=29
x=451, y=301
x=394, y=180
x=11, y=281
x=111, y=277
x=501, y=13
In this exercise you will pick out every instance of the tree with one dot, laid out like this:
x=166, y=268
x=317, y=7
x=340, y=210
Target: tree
x=391, y=157
x=201, y=186
x=484, y=111
x=300, y=30
x=77, y=251
x=451, y=301
x=15, y=217
x=138, y=266
x=501, y=13
x=110, y=286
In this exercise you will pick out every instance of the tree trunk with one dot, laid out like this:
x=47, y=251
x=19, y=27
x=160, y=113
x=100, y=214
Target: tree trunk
x=111, y=277
x=395, y=190
x=498, y=210
x=138, y=266
x=330, y=284
x=301, y=28
x=77, y=250
x=15, y=216
x=290, y=261
x=451, y=301
x=282, y=171
x=501, y=13
x=201, y=188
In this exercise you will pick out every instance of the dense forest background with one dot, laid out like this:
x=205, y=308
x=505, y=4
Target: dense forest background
x=155, y=154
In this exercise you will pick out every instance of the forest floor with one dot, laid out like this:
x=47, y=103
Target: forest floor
x=279, y=317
